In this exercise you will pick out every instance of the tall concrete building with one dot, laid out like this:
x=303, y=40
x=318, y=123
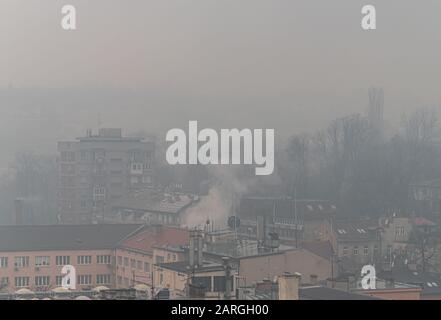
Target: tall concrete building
x=97, y=168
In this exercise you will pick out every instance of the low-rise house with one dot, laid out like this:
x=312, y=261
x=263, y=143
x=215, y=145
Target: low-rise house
x=357, y=243
x=136, y=255
x=425, y=198
x=255, y=263
x=430, y=283
x=294, y=220
x=389, y=290
x=151, y=206
x=206, y=281
x=395, y=234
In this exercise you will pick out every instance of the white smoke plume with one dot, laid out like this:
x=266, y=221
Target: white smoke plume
x=229, y=183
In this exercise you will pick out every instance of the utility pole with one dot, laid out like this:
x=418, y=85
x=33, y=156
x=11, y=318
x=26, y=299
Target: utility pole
x=227, y=267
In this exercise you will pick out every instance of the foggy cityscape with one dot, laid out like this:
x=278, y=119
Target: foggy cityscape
x=314, y=172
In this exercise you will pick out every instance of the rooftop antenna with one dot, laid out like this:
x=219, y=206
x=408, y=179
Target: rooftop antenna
x=235, y=217
x=295, y=214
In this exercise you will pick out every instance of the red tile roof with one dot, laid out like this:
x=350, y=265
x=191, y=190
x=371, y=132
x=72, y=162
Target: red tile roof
x=156, y=236
x=420, y=221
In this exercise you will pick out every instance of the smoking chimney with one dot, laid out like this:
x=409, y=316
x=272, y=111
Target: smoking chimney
x=196, y=244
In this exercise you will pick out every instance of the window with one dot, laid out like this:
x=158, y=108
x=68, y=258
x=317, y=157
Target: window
x=366, y=251
x=159, y=259
x=58, y=280
x=126, y=282
x=204, y=282
x=62, y=260
x=84, y=259
x=68, y=156
x=389, y=250
x=103, y=278
x=3, y=262
x=146, y=267
x=42, y=261
x=4, y=281
x=99, y=193
x=399, y=232
x=126, y=262
x=21, y=262
x=42, y=280
x=345, y=251
x=133, y=263
x=168, y=257
x=375, y=250
x=147, y=165
x=219, y=283
x=21, y=282
x=119, y=279
x=84, y=279
x=139, y=265
x=355, y=251
x=119, y=260
x=103, y=259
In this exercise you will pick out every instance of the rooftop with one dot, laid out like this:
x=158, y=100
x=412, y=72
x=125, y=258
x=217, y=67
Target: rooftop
x=430, y=283
x=106, y=134
x=320, y=248
x=242, y=248
x=156, y=235
x=433, y=183
x=184, y=267
x=151, y=201
x=286, y=208
x=356, y=230
x=325, y=293
x=63, y=237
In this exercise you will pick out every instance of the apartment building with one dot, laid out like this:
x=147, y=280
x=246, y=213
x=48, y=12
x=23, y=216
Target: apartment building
x=32, y=256
x=97, y=168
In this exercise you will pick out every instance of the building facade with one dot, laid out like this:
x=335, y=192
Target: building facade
x=97, y=168
x=32, y=257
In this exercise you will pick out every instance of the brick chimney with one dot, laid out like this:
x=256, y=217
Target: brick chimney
x=313, y=279
x=289, y=286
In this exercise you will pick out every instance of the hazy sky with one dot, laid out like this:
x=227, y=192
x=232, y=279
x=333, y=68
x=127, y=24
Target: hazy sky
x=224, y=46
x=308, y=60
